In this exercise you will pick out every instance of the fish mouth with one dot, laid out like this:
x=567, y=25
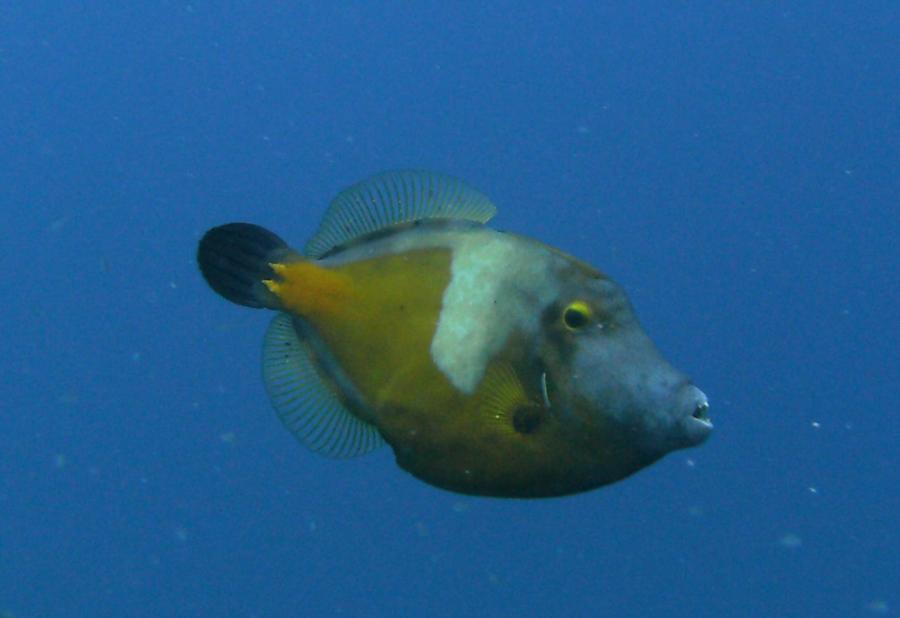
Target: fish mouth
x=701, y=414
x=697, y=425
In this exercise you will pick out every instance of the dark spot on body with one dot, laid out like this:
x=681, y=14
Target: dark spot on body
x=526, y=419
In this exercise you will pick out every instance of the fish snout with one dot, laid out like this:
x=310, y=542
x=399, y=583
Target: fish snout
x=693, y=415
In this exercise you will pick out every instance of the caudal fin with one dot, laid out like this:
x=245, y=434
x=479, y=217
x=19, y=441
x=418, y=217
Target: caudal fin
x=234, y=259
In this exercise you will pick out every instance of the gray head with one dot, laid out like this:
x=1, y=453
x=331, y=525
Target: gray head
x=609, y=378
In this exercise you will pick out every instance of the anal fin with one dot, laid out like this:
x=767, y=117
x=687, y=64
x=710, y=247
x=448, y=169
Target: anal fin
x=305, y=402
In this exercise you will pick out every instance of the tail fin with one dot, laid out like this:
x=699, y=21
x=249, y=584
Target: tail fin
x=234, y=259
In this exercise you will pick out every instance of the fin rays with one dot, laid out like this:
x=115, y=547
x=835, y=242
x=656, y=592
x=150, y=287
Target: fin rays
x=303, y=401
x=234, y=259
x=393, y=198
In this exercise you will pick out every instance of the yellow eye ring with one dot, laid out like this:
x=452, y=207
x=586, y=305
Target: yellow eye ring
x=577, y=315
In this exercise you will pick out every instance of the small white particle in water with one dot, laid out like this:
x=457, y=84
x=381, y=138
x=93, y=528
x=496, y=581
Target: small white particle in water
x=460, y=507
x=816, y=425
x=690, y=463
x=67, y=398
x=813, y=490
x=790, y=541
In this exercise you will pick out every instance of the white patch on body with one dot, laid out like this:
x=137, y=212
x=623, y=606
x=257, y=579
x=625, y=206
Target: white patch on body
x=498, y=283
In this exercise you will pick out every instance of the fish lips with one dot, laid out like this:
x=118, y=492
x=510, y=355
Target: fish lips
x=683, y=423
x=692, y=416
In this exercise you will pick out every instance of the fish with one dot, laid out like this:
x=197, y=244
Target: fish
x=492, y=364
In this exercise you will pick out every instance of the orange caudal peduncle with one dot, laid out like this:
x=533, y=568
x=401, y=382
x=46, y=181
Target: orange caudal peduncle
x=310, y=290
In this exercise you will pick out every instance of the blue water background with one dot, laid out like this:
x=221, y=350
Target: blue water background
x=733, y=165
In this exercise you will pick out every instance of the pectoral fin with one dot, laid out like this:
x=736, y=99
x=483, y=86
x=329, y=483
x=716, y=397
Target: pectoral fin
x=504, y=402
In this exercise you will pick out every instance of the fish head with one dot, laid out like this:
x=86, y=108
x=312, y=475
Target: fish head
x=607, y=379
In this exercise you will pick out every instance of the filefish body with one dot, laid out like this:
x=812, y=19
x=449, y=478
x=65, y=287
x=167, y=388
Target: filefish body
x=491, y=363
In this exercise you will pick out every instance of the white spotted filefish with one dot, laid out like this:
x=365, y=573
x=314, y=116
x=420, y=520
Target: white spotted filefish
x=491, y=363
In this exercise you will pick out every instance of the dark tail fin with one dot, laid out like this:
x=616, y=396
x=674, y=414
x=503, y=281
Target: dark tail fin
x=234, y=259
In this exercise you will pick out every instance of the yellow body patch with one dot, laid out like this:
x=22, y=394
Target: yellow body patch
x=376, y=316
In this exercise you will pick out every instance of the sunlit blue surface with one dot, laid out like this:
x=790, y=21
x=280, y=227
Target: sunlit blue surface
x=735, y=167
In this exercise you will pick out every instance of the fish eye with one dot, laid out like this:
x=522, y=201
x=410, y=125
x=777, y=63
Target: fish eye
x=576, y=315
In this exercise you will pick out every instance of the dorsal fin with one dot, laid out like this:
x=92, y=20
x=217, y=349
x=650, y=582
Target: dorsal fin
x=393, y=198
